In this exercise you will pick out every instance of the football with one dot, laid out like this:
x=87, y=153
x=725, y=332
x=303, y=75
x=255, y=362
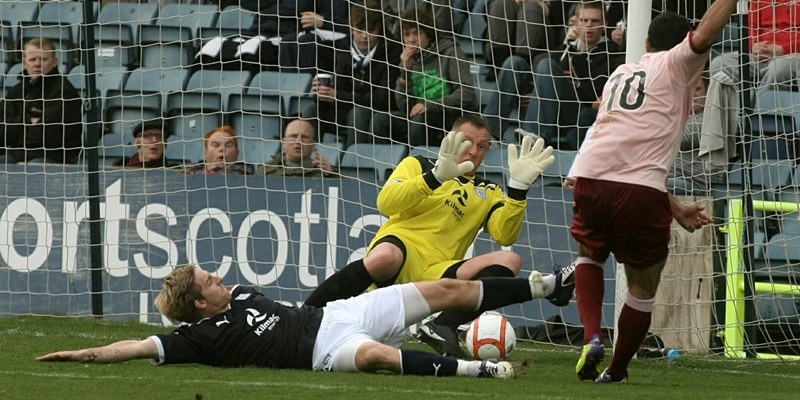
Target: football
x=490, y=337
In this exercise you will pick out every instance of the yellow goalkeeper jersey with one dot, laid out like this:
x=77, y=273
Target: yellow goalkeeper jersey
x=442, y=220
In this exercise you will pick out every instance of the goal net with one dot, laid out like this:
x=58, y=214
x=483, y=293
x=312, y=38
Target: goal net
x=95, y=231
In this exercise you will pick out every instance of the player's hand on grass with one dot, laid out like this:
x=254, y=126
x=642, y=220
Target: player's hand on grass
x=531, y=162
x=60, y=356
x=447, y=167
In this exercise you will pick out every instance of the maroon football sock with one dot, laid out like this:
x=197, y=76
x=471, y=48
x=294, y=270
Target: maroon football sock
x=589, y=288
x=633, y=326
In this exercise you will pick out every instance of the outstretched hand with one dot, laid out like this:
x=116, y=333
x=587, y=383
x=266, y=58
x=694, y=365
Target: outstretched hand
x=61, y=356
x=691, y=216
x=531, y=162
x=447, y=167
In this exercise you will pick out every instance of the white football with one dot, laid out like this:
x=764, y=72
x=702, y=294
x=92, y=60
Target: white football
x=490, y=337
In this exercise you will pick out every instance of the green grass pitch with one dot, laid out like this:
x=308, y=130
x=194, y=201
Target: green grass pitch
x=549, y=375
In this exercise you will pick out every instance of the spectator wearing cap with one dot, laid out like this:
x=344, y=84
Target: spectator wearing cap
x=150, y=138
x=299, y=156
x=221, y=152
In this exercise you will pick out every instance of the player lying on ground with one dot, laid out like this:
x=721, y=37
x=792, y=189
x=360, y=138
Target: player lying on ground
x=240, y=327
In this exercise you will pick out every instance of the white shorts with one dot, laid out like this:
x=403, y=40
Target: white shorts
x=377, y=316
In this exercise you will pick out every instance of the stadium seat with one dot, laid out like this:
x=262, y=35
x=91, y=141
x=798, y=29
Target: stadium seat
x=12, y=76
x=226, y=83
x=128, y=14
x=66, y=13
x=112, y=147
x=106, y=79
x=165, y=48
x=157, y=80
x=371, y=162
x=727, y=41
x=766, y=174
x=781, y=102
x=124, y=110
x=425, y=151
x=255, y=116
x=257, y=150
x=293, y=87
x=494, y=166
x=470, y=38
x=232, y=21
x=185, y=150
x=16, y=12
x=332, y=152
x=556, y=173
x=193, y=114
x=191, y=17
x=7, y=53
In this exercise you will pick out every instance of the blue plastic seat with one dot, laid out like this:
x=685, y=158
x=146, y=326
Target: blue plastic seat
x=226, y=83
x=371, y=162
x=193, y=114
x=255, y=116
x=293, y=87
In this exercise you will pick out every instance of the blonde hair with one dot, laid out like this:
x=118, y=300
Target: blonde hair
x=177, y=296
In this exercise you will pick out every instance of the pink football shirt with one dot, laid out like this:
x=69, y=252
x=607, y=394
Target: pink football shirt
x=641, y=118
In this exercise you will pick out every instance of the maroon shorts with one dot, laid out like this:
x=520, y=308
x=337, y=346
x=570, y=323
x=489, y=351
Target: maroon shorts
x=632, y=221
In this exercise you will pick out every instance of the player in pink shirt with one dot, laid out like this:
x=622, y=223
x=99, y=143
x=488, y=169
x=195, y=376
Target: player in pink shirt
x=621, y=202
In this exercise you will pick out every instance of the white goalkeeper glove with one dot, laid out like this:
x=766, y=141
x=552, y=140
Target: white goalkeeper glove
x=453, y=148
x=532, y=161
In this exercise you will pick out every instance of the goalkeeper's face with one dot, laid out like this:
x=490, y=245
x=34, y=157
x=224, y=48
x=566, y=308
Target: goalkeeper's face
x=480, y=139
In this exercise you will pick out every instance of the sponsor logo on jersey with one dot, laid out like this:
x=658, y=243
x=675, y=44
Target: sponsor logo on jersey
x=461, y=197
x=254, y=317
x=224, y=321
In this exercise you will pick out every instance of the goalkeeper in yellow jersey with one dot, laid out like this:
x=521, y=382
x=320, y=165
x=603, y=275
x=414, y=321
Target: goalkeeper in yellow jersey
x=435, y=209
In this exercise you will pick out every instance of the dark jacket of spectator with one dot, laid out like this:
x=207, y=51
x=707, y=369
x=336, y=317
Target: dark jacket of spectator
x=57, y=136
x=590, y=69
x=367, y=84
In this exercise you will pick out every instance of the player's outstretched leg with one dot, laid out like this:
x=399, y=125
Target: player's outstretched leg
x=416, y=362
x=441, y=333
x=564, y=286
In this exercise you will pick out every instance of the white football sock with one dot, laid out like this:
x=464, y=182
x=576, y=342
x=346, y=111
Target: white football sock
x=548, y=284
x=468, y=368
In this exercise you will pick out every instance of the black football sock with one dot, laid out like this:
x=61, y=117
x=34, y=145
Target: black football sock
x=499, y=292
x=454, y=318
x=416, y=362
x=350, y=281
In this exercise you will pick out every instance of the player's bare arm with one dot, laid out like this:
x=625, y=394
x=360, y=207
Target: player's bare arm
x=124, y=350
x=712, y=23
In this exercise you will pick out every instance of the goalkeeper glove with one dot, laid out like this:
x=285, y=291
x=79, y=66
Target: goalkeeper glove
x=454, y=146
x=532, y=161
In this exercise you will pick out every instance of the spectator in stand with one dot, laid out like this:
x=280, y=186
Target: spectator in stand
x=221, y=154
x=523, y=28
x=434, y=89
x=774, y=45
x=565, y=89
x=150, y=138
x=307, y=50
x=298, y=157
x=364, y=69
x=40, y=117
